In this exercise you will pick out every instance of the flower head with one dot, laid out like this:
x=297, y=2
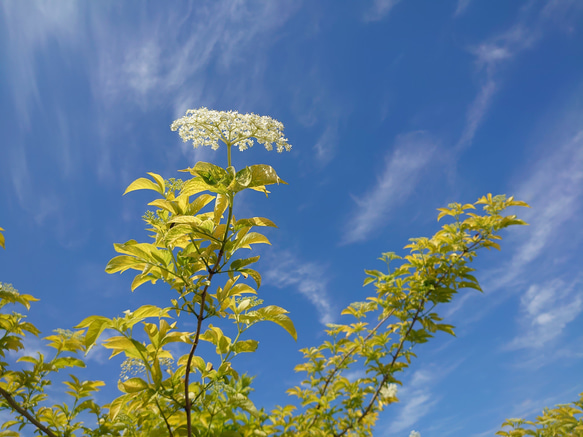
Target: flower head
x=388, y=392
x=415, y=434
x=205, y=127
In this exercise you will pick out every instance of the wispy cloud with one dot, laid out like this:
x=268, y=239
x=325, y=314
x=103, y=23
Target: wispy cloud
x=497, y=51
x=325, y=145
x=417, y=401
x=158, y=61
x=490, y=56
x=553, y=186
x=30, y=28
x=379, y=9
x=546, y=310
x=461, y=7
x=555, y=191
x=411, y=153
x=307, y=278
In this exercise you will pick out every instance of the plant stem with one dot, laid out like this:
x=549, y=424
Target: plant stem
x=200, y=316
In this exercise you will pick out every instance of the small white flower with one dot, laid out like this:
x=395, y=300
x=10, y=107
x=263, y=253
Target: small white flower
x=415, y=434
x=388, y=392
x=205, y=127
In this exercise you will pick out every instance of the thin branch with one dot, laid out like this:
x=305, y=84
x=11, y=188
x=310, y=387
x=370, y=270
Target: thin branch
x=386, y=377
x=170, y=434
x=25, y=413
x=367, y=410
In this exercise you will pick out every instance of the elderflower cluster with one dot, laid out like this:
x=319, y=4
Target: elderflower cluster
x=415, y=434
x=131, y=367
x=206, y=127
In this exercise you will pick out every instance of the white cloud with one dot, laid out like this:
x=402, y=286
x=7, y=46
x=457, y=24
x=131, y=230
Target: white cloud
x=555, y=192
x=553, y=186
x=30, y=27
x=307, y=277
x=325, y=145
x=490, y=56
x=476, y=112
x=379, y=9
x=546, y=311
x=461, y=7
x=417, y=401
x=411, y=154
x=498, y=50
x=156, y=62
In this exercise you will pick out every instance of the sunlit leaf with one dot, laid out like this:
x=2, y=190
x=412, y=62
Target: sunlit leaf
x=144, y=184
x=277, y=315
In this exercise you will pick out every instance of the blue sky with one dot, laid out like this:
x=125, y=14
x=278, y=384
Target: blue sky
x=394, y=108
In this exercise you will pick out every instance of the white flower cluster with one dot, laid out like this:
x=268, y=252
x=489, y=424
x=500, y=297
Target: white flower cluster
x=415, y=434
x=205, y=127
x=388, y=392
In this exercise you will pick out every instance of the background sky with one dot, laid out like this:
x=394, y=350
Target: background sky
x=394, y=108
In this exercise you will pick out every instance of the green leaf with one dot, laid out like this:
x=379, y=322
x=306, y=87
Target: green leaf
x=96, y=325
x=199, y=203
x=253, y=273
x=171, y=207
x=277, y=315
x=122, y=263
x=144, y=184
x=159, y=180
x=254, y=221
x=244, y=177
x=262, y=175
x=193, y=186
x=220, y=206
x=251, y=238
x=117, y=404
x=142, y=279
x=150, y=311
x=239, y=263
x=245, y=346
x=215, y=336
x=132, y=348
x=62, y=362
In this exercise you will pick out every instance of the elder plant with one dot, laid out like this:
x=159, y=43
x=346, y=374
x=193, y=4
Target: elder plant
x=195, y=247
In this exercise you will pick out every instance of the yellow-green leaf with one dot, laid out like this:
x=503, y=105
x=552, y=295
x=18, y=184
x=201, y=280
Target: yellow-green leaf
x=144, y=184
x=277, y=315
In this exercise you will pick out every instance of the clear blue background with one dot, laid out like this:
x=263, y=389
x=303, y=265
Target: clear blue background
x=394, y=108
